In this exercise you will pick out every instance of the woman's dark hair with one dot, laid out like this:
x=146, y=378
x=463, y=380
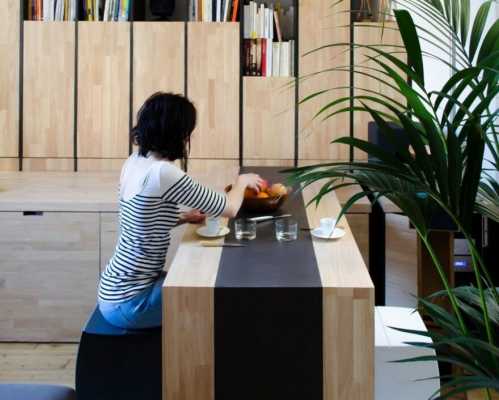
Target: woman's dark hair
x=164, y=126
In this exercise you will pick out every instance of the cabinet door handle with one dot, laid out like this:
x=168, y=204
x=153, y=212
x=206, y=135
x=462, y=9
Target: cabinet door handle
x=32, y=213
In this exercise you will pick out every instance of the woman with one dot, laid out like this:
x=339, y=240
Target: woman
x=151, y=190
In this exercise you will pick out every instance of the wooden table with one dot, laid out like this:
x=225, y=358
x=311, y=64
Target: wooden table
x=268, y=321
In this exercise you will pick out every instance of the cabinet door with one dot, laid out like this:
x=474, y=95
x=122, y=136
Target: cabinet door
x=49, y=78
x=109, y=233
x=321, y=25
x=48, y=275
x=9, y=77
x=213, y=86
x=103, y=89
x=269, y=119
x=373, y=34
x=158, y=57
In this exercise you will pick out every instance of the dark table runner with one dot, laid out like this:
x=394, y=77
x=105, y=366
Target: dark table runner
x=268, y=314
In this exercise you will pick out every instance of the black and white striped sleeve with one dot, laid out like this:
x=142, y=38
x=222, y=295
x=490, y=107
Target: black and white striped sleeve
x=187, y=192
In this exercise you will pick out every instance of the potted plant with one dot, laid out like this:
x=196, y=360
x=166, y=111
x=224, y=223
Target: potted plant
x=442, y=170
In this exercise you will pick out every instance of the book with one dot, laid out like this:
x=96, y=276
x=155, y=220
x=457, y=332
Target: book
x=277, y=26
x=285, y=64
x=226, y=10
x=276, y=58
x=235, y=11
x=263, y=51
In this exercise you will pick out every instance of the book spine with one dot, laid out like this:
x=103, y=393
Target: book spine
x=235, y=11
x=277, y=26
x=264, y=56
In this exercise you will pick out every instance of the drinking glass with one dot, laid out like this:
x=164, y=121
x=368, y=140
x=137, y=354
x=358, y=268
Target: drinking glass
x=245, y=229
x=286, y=230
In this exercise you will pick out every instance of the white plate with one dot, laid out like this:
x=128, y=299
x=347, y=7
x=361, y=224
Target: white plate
x=318, y=233
x=203, y=232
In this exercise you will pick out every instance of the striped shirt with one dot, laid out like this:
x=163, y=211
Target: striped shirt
x=146, y=220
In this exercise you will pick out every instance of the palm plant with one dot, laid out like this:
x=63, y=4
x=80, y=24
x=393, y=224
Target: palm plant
x=441, y=171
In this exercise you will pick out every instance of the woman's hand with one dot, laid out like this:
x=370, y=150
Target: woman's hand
x=192, y=217
x=251, y=181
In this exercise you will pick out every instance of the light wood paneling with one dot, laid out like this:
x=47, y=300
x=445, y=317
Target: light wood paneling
x=38, y=363
x=103, y=164
x=49, y=78
x=158, y=59
x=48, y=164
x=359, y=224
x=330, y=25
x=372, y=34
x=213, y=86
x=49, y=275
x=9, y=164
x=9, y=78
x=103, y=89
x=109, y=232
x=269, y=118
x=206, y=167
x=268, y=163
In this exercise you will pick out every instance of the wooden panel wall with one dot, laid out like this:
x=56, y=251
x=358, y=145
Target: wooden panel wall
x=158, y=58
x=49, y=78
x=330, y=26
x=371, y=34
x=213, y=85
x=269, y=118
x=103, y=89
x=9, y=77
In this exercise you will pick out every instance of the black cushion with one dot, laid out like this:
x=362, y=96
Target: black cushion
x=36, y=392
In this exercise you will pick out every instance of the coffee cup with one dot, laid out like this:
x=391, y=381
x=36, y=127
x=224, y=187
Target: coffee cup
x=327, y=225
x=213, y=225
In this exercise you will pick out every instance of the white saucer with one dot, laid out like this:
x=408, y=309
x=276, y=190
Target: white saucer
x=202, y=231
x=318, y=233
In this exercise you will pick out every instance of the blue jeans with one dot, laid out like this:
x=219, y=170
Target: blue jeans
x=144, y=310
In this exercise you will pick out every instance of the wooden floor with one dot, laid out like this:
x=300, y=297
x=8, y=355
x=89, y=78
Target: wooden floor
x=55, y=363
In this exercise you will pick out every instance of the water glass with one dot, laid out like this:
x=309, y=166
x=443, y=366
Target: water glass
x=245, y=229
x=286, y=230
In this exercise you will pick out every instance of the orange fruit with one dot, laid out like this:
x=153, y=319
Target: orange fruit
x=249, y=194
x=278, y=189
x=262, y=195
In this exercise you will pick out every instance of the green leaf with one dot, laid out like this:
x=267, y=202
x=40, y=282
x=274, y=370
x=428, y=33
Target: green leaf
x=411, y=42
x=478, y=27
x=465, y=20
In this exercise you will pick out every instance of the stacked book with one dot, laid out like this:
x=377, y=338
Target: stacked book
x=89, y=10
x=213, y=10
x=263, y=56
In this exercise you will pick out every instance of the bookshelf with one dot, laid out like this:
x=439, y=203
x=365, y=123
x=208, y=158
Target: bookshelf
x=101, y=72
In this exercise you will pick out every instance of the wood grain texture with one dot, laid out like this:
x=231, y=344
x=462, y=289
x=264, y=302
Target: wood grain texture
x=359, y=224
x=59, y=191
x=48, y=164
x=9, y=164
x=204, y=167
x=49, y=78
x=269, y=118
x=372, y=34
x=109, y=232
x=268, y=163
x=38, y=363
x=103, y=89
x=188, y=312
x=330, y=25
x=100, y=164
x=49, y=275
x=9, y=78
x=158, y=58
x=213, y=86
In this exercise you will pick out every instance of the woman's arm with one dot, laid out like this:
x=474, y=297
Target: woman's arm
x=236, y=195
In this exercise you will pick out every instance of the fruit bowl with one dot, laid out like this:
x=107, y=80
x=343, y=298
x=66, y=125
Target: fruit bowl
x=266, y=203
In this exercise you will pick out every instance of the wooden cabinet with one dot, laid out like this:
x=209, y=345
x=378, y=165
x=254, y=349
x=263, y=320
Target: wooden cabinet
x=109, y=232
x=269, y=118
x=330, y=25
x=103, y=89
x=48, y=276
x=9, y=78
x=49, y=79
x=373, y=34
x=359, y=224
x=158, y=57
x=213, y=86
